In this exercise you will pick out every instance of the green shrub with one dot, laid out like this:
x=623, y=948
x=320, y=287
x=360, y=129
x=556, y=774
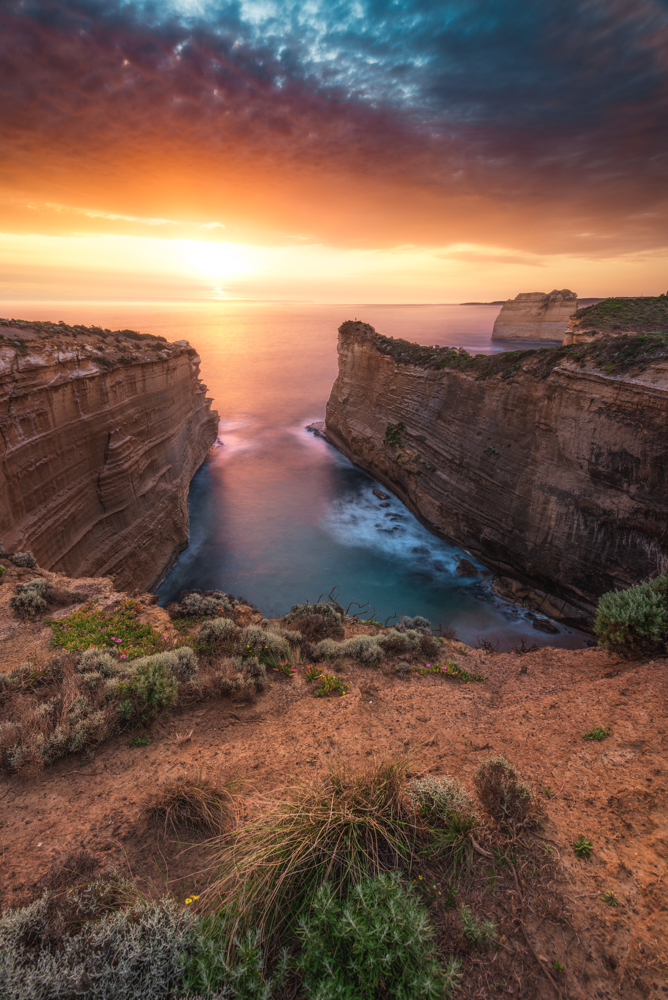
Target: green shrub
x=234, y=964
x=476, y=931
x=633, y=623
x=147, y=693
x=131, y=954
x=379, y=941
x=500, y=790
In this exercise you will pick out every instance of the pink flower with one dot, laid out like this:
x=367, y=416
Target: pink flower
x=122, y=656
x=429, y=664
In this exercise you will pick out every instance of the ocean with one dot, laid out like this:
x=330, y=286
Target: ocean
x=278, y=516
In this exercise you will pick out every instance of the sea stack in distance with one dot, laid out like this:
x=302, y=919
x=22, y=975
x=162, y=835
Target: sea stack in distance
x=536, y=316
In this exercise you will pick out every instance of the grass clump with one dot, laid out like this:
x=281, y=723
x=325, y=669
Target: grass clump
x=193, y=803
x=377, y=941
x=500, y=790
x=121, y=630
x=633, y=623
x=341, y=828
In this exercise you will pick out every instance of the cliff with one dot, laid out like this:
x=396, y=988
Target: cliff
x=536, y=316
x=613, y=317
x=101, y=434
x=551, y=466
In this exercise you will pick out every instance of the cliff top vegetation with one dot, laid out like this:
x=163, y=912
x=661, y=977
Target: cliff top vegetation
x=648, y=314
x=48, y=329
x=613, y=354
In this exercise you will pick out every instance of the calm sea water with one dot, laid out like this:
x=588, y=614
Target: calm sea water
x=278, y=516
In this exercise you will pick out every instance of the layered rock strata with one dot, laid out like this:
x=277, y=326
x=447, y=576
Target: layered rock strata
x=101, y=434
x=549, y=470
x=536, y=316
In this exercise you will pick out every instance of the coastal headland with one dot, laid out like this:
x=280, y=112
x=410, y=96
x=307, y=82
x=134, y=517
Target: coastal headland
x=101, y=434
x=549, y=465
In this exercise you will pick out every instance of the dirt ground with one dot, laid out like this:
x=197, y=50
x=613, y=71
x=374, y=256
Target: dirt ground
x=532, y=709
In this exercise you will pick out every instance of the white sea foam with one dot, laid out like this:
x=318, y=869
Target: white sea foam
x=357, y=519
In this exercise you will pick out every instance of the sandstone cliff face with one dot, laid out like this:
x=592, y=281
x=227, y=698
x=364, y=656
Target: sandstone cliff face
x=100, y=437
x=536, y=316
x=550, y=472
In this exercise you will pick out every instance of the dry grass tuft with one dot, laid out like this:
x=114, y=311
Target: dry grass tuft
x=341, y=828
x=193, y=803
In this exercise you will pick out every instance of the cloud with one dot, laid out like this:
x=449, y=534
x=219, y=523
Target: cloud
x=514, y=123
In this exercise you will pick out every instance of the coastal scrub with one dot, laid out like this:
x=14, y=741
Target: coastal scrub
x=121, y=630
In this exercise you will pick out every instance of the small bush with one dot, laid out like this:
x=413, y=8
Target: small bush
x=378, y=941
x=196, y=605
x=443, y=802
x=96, y=660
x=130, y=954
x=31, y=599
x=254, y=641
x=395, y=643
x=147, y=693
x=500, y=790
x=181, y=663
x=316, y=622
x=255, y=674
x=417, y=624
x=25, y=560
x=217, y=636
x=633, y=623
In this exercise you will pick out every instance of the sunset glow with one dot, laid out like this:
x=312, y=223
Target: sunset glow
x=415, y=152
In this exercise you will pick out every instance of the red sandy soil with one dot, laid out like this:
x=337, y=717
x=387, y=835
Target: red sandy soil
x=532, y=709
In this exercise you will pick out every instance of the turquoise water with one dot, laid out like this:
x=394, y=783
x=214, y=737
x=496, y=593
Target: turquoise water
x=278, y=516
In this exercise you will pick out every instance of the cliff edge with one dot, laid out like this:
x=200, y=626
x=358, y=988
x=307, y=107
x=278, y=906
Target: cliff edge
x=536, y=316
x=101, y=433
x=550, y=465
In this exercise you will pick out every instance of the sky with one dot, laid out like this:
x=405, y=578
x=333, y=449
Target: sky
x=333, y=151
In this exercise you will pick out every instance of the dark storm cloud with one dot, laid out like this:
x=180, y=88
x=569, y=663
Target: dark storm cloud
x=515, y=99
